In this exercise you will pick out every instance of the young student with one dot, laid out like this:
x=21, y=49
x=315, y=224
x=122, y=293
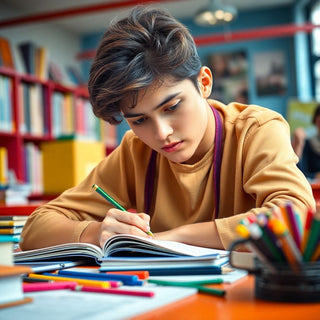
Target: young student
x=190, y=167
x=310, y=149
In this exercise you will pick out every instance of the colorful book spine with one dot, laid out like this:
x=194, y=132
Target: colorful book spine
x=27, y=51
x=6, y=117
x=6, y=56
x=4, y=167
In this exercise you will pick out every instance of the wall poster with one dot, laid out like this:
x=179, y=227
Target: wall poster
x=230, y=70
x=269, y=73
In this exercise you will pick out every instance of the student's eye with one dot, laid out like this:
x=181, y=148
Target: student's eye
x=139, y=121
x=174, y=107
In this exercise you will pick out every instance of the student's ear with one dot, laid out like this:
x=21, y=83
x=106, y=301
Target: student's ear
x=205, y=81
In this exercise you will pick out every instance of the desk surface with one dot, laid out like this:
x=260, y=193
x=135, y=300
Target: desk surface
x=238, y=304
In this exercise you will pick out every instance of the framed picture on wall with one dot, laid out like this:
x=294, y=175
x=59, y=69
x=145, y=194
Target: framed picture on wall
x=230, y=71
x=269, y=73
x=300, y=115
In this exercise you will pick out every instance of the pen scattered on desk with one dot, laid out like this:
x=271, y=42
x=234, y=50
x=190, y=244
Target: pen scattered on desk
x=42, y=286
x=199, y=285
x=114, y=202
x=142, y=275
x=65, y=285
x=94, y=283
x=126, y=279
x=136, y=293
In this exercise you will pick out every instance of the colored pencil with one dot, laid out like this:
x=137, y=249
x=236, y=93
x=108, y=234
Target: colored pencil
x=124, y=278
x=136, y=293
x=306, y=229
x=288, y=245
x=253, y=246
x=41, y=286
x=113, y=202
x=293, y=224
x=199, y=285
x=313, y=238
x=142, y=275
x=95, y=283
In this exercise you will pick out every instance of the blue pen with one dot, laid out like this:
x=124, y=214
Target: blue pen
x=129, y=280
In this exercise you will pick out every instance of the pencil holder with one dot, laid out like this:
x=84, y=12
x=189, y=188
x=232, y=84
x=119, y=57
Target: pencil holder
x=279, y=281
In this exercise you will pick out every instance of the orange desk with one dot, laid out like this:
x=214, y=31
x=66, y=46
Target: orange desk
x=238, y=304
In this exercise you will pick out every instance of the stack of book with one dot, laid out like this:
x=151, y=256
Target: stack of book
x=11, y=227
x=6, y=251
x=124, y=252
x=13, y=193
x=11, y=290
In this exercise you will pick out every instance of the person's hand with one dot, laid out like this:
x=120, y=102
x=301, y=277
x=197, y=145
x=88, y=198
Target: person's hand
x=117, y=221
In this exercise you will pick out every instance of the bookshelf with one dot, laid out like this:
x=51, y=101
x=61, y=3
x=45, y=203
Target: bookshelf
x=34, y=111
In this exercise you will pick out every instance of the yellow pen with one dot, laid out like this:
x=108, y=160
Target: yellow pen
x=114, y=202
x=84, y=282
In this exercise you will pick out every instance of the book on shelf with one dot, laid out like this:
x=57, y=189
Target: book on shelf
x=6, y=56
x=33, y=168
x=11, y=290
x=4, y=168
x=16, y=194
x=75, y=76
x=87, y=126
x=34, y=59
x=27, y=51
x=42, y=63
x=123, y=245
x=109, y=134
x=32, y=109
x=6, y=115
x=55, y=73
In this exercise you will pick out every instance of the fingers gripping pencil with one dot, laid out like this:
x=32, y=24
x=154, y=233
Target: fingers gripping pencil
x=113, y=202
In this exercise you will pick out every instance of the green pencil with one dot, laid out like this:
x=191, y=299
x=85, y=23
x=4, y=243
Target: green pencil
x=199, y=285
x=113, y=202
x=313, y=238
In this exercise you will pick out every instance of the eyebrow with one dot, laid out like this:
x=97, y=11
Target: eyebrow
x=166, y=100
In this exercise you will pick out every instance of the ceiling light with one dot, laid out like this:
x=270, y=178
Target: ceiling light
x=216, y=13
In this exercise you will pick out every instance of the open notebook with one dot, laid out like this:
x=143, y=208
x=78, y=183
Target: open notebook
x=129, y=252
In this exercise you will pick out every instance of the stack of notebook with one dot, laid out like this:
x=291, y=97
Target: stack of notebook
x=11, y=227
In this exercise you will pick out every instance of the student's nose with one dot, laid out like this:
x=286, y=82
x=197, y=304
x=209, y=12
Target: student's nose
x=163, y=129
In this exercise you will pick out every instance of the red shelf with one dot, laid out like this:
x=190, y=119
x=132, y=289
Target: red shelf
x=18, y=210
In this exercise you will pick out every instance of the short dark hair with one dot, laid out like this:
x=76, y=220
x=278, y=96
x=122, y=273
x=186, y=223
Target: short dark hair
x=146, y=46
x=316, y=114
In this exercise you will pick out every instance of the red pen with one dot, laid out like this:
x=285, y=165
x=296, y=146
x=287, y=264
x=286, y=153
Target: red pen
x=42, y=286
x=136, y=293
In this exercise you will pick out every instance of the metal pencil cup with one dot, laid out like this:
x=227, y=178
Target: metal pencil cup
x=283, y=283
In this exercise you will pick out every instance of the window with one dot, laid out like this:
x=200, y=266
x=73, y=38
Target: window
x=315, y=19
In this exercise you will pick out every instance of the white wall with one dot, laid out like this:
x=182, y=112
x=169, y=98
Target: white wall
x=62, y=45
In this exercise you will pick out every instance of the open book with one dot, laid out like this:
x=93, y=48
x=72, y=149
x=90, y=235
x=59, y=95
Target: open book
x=122, y=245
